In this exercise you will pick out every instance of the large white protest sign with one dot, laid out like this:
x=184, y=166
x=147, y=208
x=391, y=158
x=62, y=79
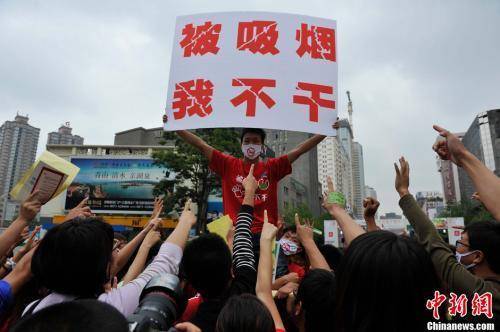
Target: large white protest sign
x=253, y=69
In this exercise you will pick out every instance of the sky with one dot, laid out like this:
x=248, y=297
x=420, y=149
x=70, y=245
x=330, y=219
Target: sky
x=104, y=66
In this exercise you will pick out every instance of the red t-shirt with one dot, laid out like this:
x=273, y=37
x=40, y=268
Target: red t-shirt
x=233, y=170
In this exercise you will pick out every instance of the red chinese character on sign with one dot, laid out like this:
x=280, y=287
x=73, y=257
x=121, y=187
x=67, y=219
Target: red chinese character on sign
x=458, y=305
x=193, y=97
x=482, y=304
x=435, y=303
x=319, y=42
x=314, y=101
x=200, y=39
x=258, y=36
x=255, y=91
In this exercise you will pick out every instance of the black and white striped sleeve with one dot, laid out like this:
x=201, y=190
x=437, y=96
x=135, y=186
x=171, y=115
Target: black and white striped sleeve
x=243, y=255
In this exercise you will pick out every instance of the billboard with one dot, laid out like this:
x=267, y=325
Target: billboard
x=116, y=185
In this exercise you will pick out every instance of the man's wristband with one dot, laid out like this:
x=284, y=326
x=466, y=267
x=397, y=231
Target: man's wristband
x=336, y=197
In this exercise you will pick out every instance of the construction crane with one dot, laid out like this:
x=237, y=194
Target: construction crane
x=349, y=109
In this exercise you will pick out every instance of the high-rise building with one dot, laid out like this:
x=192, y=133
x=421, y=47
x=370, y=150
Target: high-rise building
x=302, y=186
x=483, y=140
x=18, y=144
x=358, y=176
x=370, y=192
x=346, y=139
x=342, y=159
x=64, y=136
x=449, y=178
x=333, y=161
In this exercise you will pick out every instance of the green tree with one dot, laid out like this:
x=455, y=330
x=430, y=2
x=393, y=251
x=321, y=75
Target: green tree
x=290, y=211
x=471, y=211
x=193, y=177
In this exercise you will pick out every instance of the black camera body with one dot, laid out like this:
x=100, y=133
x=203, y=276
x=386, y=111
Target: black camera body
x=160, y=305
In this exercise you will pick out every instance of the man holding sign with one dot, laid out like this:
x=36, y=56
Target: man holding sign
x=253, y=70
x=233, y=170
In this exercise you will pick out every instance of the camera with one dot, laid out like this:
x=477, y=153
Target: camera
x=160, y=305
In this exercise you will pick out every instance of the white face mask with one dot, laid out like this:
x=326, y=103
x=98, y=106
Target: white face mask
x=459, y=257
x=251, y=151
x=289, y=247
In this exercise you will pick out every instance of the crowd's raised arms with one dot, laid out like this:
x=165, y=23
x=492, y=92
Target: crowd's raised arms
x=83, y=276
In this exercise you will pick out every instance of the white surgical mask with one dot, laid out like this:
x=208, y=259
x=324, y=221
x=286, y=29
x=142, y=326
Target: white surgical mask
x=459, y=257
x=251, y=151
x=289, y=247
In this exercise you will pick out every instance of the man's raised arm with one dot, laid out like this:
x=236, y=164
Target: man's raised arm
x=304, y=147
x=195, y=141
x=308, y=144
x=486, y=183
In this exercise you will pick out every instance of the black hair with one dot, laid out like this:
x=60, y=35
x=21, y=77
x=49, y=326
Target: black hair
x=257, y=131
x=288, y=322
x=317, y=294
x=75, y=316
x=245, y=313
x=383, y=283
x=289, y=228
x=73, y=258
x=485, y=236
x=332, y=254
x=206, y=264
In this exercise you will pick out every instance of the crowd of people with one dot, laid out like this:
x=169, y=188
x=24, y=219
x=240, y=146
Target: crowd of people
x=81, y=276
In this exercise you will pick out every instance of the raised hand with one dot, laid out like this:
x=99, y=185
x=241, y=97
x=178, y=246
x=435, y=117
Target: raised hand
x=250, y=183
x=153, y=224
x=30, y=243
x=402, y=182
x=370, y=205
x=158, y=207
x=328, y=204
x=25, y=234
x=187, y=215
x=268, y=230
x=304, y=232
x=336, y=125
x=30, y=207
x=79, y=211
x=451, y=148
